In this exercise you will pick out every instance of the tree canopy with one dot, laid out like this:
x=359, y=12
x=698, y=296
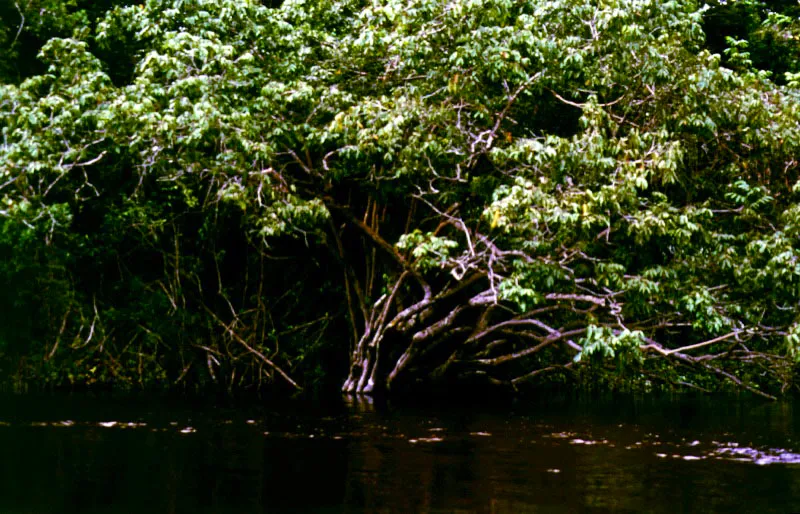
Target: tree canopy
x=402, y=195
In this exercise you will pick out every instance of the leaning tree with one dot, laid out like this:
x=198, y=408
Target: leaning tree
x=517, y=187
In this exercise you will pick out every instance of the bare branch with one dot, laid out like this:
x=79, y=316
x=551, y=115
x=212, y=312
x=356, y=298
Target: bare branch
x=252, y=350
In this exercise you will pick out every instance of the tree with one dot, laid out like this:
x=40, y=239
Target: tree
x=509, y=191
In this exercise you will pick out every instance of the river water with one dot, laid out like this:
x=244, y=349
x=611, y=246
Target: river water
x=104, y=454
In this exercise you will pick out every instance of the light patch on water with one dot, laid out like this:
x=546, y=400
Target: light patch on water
x=481, y=434
x=561, y=435
x=762, y=457
x=70, y=423
x=427, y=440
x=733, y=451
x=56, y=424
x=122, y=424
x=188, y=430
x=588, y=442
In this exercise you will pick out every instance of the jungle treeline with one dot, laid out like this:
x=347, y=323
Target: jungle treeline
x=400, y=196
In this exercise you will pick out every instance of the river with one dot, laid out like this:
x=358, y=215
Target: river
x=144, y=454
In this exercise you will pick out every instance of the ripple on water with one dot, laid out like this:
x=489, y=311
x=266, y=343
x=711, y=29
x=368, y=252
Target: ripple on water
x=661, y=446
x=733, y=451
x=762, y=457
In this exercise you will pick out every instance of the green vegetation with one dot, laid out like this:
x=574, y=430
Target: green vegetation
x=401, y=194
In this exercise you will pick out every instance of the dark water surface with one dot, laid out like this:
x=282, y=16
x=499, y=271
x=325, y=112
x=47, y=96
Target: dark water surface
x=85, y=454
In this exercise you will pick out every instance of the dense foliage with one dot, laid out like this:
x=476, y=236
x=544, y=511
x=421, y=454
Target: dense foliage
x=403, y=194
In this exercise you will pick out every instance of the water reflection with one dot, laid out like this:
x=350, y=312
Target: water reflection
x=654, y=456
x=359, y=403
x=529, y=435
